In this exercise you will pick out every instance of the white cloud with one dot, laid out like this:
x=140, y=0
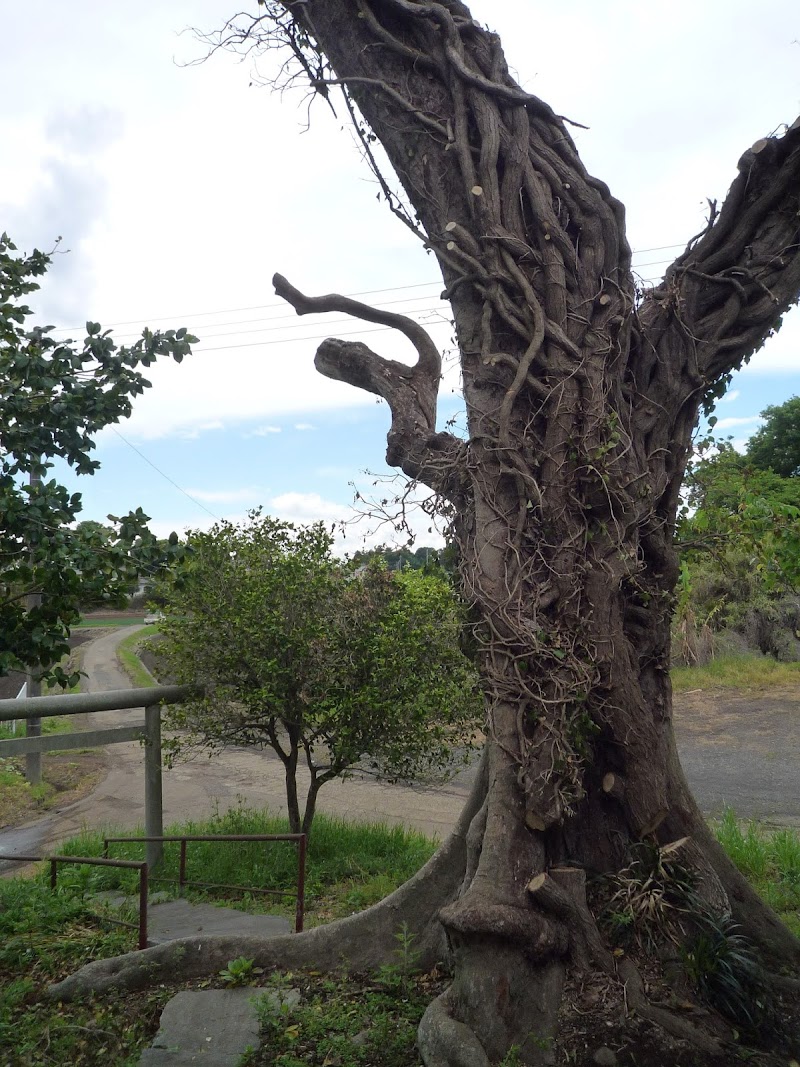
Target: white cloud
x=746, y=420
x=308, y=507
x=195, y=431
x=263, y=431
x=303, y=426
x=729, y=397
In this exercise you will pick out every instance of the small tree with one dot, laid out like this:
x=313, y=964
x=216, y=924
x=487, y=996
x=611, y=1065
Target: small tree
x=54, y=397
x=740, y=547
x=331, y=665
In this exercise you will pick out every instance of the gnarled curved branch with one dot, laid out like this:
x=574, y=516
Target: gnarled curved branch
x=411, y=392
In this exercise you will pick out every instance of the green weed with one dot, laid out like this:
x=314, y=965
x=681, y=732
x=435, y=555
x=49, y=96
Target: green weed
x=128, y=656
x=751, y=671
x=239, y=972
x=770, y=860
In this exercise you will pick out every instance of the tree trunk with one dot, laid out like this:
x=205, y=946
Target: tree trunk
x=290, y=776
x=311, y=803
x=581, y=396
x=581, y=400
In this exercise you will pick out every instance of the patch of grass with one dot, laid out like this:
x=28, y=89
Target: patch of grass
x=770, y=860
x=66, y=776
x=128, y=656
x=56, y=724
x=350, y=1021
x=44, y=936
x=736, y=672
x=348, y=866
x=103, y=624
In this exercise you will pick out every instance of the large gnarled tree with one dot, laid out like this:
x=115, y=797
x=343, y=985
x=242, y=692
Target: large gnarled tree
x=581, y=396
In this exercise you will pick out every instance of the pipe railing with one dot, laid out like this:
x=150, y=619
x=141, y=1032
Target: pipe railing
x=297, y=839
x=150, y=698
x=96, y=861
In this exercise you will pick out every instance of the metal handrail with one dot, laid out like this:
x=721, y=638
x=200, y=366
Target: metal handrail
x=96, y=861
x=87, y=703
x=299, y=839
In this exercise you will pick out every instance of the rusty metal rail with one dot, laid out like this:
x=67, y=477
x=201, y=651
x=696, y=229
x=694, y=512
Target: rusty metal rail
x=96, y=861
x=298, y=839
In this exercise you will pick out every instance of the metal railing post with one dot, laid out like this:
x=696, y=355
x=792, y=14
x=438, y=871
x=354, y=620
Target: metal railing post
x=301, y=884
x=153, y=799
x=143, y=872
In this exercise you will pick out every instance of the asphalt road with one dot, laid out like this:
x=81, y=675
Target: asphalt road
x=739, y=750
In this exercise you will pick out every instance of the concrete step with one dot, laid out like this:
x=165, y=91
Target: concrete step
x=211, y=1027
x=168, y=920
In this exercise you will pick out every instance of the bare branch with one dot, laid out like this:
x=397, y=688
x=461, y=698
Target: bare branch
x=429, y=363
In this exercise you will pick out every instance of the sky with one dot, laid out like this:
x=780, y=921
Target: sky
x=178, y=189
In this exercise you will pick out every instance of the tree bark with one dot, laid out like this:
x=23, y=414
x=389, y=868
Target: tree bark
x=582, y=396
x=581, y=401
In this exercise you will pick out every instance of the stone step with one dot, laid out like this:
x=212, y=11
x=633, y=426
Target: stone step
x=168, y=919
x=211, y=1027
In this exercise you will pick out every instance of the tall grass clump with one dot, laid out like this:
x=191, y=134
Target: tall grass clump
x=348, y=865
x=770, y=860
x=747, y=671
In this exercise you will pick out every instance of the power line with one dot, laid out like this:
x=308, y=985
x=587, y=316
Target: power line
x=163, y=475
x=282, y=304
x=287, y=327
x=253, y=307
x=292, y=340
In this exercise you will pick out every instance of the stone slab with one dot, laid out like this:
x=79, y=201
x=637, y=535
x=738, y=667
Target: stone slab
x=180, y=918
x=211, y=1027
x=208, y=1027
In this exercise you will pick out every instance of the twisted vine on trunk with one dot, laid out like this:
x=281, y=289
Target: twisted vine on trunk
x=581, y=396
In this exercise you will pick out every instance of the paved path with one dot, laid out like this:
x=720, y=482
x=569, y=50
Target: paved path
x=741, y=750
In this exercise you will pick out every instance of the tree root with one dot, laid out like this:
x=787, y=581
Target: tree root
x=667, y=1020
x=360, y=942
x=444, y=1042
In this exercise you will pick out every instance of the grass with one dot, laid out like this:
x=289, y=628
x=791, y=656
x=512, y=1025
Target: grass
x=53, y=724
x=44, y=936
x=349, y=865
x=770, y=860
x=344, y=1020
x=105, y=624
x=128, y=656
x=16, y=795
x=347, y=1020
x=736, y=672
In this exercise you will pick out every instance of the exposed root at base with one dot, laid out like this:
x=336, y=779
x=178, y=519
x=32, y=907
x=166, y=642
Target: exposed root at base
x=445, y=1042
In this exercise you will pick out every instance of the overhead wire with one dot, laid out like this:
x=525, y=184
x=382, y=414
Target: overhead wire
x=292, y=326
x=363, y=292
x=163, y=475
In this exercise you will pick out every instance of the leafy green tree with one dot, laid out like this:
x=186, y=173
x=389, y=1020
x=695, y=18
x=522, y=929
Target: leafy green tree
x=776, y=445
x=332, y=666
x=740, y=556
x=54, y=397
x=736, y=510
